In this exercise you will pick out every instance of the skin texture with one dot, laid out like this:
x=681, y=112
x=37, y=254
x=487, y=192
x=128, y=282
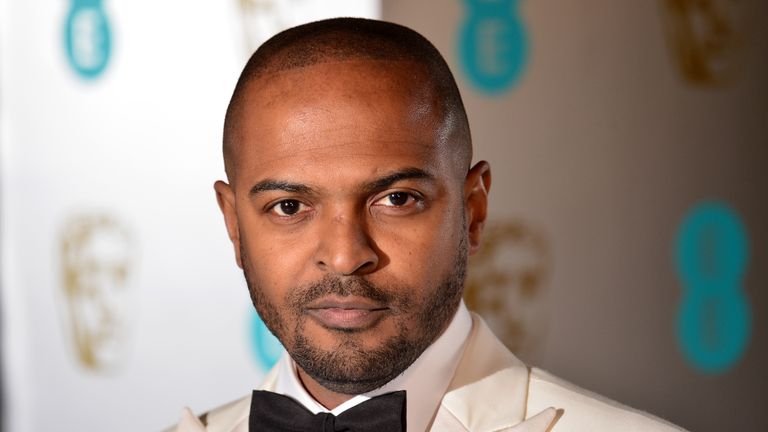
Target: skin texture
x=347, y=194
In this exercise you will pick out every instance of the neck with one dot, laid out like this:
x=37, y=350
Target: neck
x=327, y=398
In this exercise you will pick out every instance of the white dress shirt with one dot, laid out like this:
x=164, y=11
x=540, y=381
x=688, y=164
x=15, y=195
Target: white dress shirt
x=425, y=381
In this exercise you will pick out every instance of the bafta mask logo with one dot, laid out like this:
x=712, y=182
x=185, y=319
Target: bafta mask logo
x=97, y=259
x=706, y=38
x=264, y=18
x=507, y=284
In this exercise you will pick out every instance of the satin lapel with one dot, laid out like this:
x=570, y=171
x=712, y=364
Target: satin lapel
x=487, y=373
x=234, y=417
x=189, y=422
x=541, y=422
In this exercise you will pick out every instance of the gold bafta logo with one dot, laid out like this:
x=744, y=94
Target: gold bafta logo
x=507, y=282
x=97, y=259
x=706, y=38
x=264, y=18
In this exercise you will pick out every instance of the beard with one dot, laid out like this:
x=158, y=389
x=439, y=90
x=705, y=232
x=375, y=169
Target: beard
x=350, y=367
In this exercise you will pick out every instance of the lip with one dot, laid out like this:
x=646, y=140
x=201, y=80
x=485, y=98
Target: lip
x=347, y=313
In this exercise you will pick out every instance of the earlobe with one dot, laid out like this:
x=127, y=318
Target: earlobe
x=476, y=187
x=225, y=196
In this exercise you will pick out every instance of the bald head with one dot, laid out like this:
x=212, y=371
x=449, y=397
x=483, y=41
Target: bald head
x=351, y=39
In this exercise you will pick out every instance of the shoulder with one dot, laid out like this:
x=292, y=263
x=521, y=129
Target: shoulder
x=227, y=418
x=492, y=381
x=580, y=409
x=231, y=417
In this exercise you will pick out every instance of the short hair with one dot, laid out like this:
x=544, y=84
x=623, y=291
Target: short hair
x=349, y=39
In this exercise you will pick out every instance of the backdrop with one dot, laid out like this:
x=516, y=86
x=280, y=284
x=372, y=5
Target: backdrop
x=626, y=250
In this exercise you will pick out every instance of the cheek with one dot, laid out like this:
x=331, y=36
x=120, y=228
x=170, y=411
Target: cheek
x=420, y=253
x=274, y=260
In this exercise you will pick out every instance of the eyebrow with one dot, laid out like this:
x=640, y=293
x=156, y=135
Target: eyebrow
x=370, y=187
x=389, y=180
x=275, y=185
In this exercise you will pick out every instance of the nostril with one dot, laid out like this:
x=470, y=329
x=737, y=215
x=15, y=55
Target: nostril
x=348, y=262
x=367, y=267
x=345, y=247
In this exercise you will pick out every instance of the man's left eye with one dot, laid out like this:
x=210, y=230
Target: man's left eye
x=396, y=199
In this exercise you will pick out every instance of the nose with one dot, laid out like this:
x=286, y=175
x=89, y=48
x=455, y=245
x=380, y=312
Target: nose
x=345, y=247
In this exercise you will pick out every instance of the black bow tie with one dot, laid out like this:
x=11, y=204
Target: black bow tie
x=273, y=412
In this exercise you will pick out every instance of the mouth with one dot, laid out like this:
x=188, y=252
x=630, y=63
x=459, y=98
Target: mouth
x=347, y=314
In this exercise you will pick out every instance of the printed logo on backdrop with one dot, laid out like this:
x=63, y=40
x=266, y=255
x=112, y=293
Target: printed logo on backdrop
x=87, y=38
x=261, y=19
x=97, y=257
x=714, y=317
x=706, y=39
x=265, y=346
x=493, y=44
x=507, y=283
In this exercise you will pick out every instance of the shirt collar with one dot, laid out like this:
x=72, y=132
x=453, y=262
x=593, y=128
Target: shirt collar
x=425, y=381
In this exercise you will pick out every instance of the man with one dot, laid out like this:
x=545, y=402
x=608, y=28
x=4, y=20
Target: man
x=352, y=209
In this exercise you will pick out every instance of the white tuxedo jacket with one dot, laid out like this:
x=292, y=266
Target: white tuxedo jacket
x=491, y=391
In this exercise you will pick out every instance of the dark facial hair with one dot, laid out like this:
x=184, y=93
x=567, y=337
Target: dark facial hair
x=350, y=368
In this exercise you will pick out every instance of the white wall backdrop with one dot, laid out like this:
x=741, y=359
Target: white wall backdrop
x=121, y=301
x=605, y=122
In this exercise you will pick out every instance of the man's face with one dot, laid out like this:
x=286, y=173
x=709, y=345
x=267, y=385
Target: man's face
x=347, y=213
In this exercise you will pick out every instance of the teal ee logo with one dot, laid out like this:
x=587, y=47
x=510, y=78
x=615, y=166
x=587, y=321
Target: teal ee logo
x=266, y=348
x=712, y=252
x=493, y=46
x=87, y=38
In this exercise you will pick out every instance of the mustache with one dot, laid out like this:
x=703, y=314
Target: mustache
x=347, y=286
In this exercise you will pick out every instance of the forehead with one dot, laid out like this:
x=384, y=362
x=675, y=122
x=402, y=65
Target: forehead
x=373, y=114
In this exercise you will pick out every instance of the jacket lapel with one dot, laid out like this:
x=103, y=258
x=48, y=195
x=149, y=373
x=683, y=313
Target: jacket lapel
x=489, y=391
x=234, y=418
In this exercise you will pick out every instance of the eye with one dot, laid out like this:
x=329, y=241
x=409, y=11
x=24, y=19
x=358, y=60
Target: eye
x=397, y=199
x=287, y=208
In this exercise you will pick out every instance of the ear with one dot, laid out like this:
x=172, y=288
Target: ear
x=476, y=187
x=225, y=196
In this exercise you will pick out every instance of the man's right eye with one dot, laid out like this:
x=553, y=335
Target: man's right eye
x=288, y=208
